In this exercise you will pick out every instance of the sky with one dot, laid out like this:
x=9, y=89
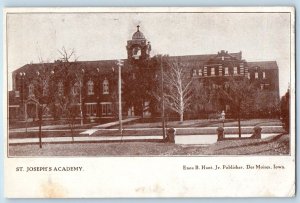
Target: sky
x=100, y=36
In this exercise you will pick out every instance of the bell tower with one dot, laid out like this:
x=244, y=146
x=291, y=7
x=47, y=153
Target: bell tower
x=138, y=48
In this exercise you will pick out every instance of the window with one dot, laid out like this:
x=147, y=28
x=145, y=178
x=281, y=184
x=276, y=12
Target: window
x=60, y=88
x=212, y=71
x=136, y=53
x=45, y=88
x=205, y=71
x=264, y=75
x=235, y=71
x=200, y=72
x=226, y=70
x=90, y=85
x=241, y=68
x=256, y=75
x=220, y=70
x=106, y=109
x=222, y=58
x=91, y=109
x=248, y=74
x=261, y=86
x=194, y=72
x=17, y=94
x=75, y=89
x=31, y=90
x=227, y=107
x=105, y=86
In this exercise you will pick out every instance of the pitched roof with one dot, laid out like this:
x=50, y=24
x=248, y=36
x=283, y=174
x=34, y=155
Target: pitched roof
x=104, y=66
x=263, y=64
x=205, y=57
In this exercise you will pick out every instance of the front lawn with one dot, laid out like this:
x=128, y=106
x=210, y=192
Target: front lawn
x=275, y=145
x=205, y=123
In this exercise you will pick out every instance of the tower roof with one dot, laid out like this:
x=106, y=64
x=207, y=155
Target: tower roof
x=138, y=35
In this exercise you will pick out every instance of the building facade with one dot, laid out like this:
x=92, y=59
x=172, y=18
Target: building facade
x=92, y=85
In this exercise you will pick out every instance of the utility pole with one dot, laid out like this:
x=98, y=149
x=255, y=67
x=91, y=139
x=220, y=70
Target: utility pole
x=162, y=99
x=81, y=75
x=120, y=63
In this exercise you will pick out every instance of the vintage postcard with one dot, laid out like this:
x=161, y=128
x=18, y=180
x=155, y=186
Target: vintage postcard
x=149, y=102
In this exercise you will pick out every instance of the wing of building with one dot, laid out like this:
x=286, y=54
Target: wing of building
x=92, y=85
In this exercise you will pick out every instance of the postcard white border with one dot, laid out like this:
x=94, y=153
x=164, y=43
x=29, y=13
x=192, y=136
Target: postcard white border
x=129, y=176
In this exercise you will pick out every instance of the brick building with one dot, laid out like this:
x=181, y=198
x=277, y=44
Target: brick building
x=95, y=82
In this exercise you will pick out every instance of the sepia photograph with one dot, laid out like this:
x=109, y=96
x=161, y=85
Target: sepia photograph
x=143, y=84
x=149, y=102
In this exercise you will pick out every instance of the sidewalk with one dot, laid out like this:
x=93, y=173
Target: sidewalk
x=179, y=139
x=107, y=125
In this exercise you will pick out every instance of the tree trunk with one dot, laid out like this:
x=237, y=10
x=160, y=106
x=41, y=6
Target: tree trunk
x=40, y=126
x=239, y=120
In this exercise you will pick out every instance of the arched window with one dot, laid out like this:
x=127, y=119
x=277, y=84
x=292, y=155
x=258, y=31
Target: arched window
x=60, y=87
x=90, y=85
x=105, y=86
x=31, y=90
x=75, y=88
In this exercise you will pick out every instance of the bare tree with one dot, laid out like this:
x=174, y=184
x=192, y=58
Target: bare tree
x=177, y=88
x=67, y=57
x=41, y=92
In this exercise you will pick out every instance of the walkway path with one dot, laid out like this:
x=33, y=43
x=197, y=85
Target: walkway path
x=107, y=125
x=179, y=139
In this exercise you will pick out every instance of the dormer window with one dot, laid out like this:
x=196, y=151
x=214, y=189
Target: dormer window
x=90, y=85
x=105, y=87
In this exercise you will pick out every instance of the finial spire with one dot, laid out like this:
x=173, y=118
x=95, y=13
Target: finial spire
x=138, y=28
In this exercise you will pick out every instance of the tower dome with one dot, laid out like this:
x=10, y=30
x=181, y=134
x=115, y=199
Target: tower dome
x=138, y=35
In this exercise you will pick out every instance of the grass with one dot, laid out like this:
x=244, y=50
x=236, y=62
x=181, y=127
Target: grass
x=59, y=124
x=276, y=145
x=205, y=123
x=144, y=132
x=34, y=134
x=199, y=131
